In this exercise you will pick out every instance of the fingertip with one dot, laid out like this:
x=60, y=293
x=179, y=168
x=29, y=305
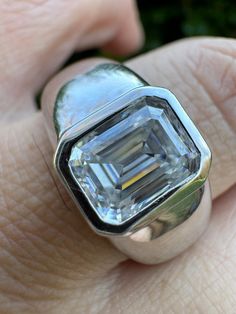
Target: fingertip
x=129, y=37
x=126, y=43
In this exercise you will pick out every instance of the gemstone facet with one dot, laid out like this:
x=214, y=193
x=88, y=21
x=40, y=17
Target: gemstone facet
x=129, y=161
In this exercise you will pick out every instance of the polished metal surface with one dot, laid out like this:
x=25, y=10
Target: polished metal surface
x=164, y=229
x=148, y=248
x=88, y=93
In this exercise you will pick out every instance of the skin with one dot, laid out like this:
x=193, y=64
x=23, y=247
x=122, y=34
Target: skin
x=50, y=261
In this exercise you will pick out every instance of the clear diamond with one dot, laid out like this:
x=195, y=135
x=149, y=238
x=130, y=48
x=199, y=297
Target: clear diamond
x=126, y=163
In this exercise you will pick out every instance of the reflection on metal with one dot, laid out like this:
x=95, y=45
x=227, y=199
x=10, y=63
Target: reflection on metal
x=89, y=92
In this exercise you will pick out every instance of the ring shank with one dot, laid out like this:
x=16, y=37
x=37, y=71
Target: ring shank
x=113, y=79
x=164, y=238
x=144, y=248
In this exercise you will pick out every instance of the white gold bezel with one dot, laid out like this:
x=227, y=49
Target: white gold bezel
x=71, y=135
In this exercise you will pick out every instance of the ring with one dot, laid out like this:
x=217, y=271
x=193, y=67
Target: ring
x=133, y=162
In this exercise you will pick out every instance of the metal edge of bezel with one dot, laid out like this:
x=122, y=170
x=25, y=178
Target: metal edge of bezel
x=146, y=216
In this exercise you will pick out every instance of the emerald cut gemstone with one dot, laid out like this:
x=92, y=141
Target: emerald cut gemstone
x=129, y=161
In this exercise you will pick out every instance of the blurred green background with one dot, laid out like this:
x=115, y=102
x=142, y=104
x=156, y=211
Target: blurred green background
x=165, y=21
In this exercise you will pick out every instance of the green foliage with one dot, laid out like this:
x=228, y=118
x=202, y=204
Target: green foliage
x=165, y=21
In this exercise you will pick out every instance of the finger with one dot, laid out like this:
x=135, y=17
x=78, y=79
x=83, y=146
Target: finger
x=36, y=37
x=202, y=74
x=130, y=27
x=47, y=250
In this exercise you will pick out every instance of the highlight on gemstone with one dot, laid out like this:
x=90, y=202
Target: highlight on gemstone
x=129, y=161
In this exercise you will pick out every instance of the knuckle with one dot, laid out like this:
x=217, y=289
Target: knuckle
x=212, y=63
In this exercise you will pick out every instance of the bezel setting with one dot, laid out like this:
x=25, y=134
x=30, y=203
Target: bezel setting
x=146, y=216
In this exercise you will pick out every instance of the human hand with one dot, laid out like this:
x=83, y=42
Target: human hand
x=50, y=261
